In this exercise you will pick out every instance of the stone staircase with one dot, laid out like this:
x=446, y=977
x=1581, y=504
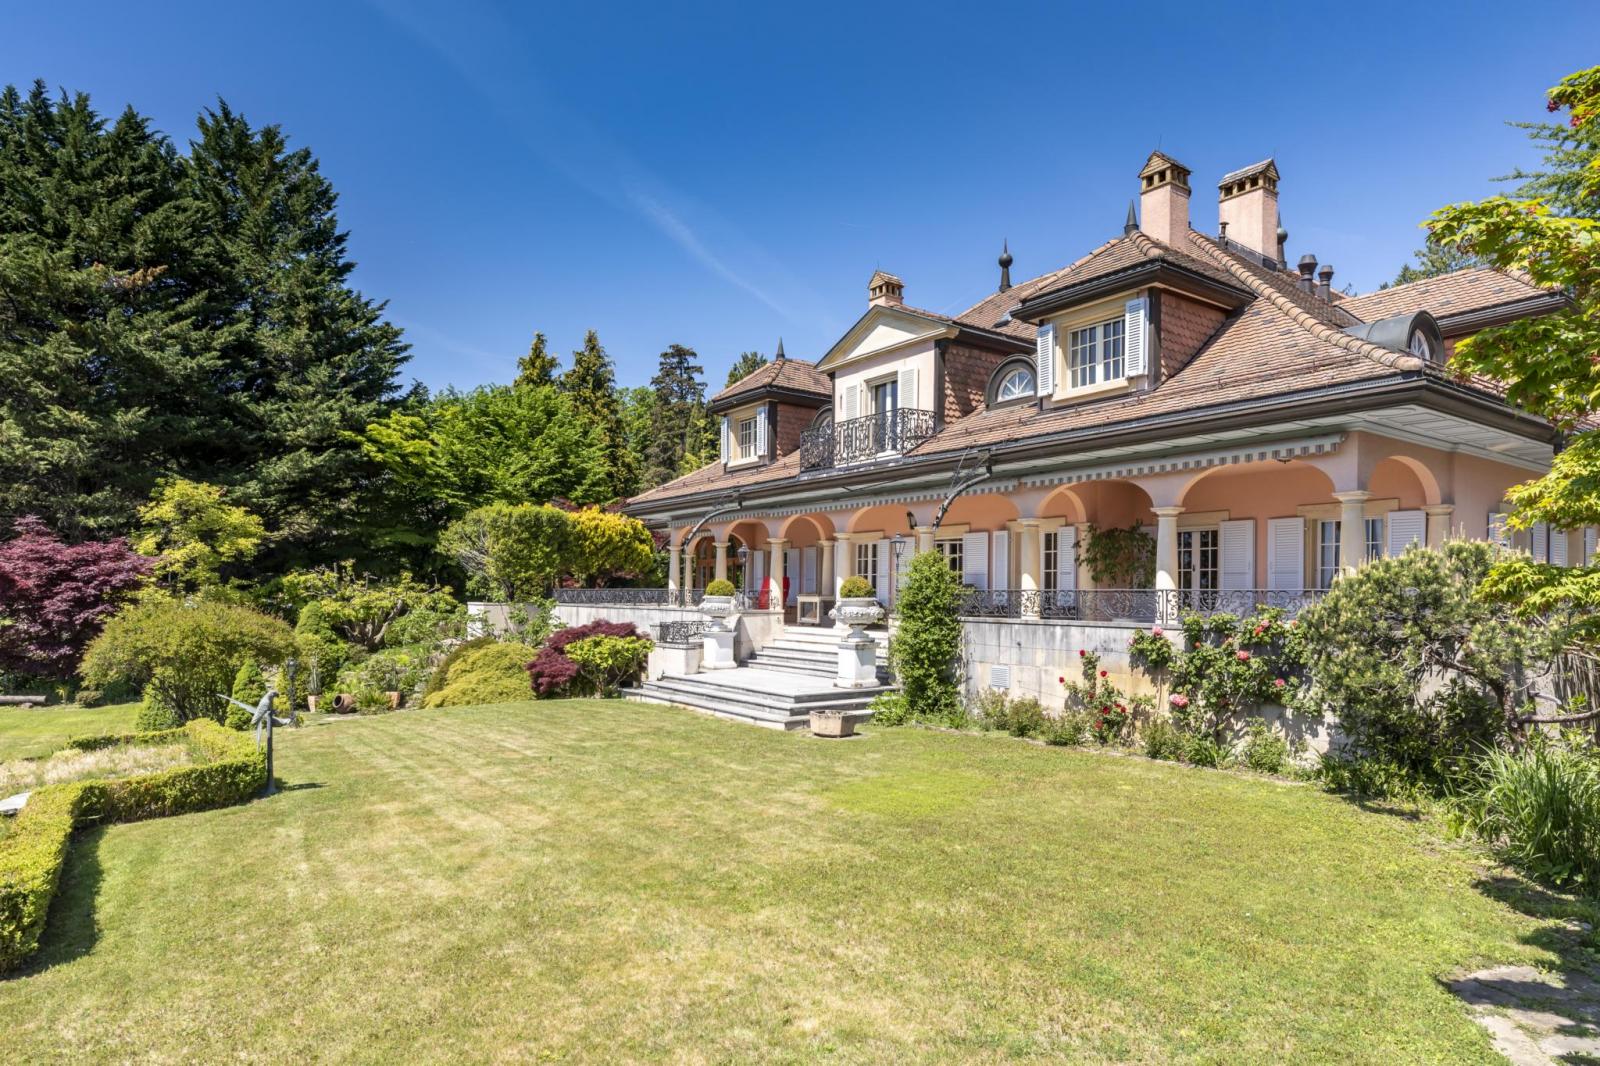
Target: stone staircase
x=778, y=688
x=812, y=650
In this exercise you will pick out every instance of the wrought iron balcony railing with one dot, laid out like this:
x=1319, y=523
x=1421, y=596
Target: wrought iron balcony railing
x=632, y=597
x=860, y=439
x=1128, y=605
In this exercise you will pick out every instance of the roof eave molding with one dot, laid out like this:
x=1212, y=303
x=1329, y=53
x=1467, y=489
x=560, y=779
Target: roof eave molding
x=1156, y=272
x=769, y=392
x=925, y=329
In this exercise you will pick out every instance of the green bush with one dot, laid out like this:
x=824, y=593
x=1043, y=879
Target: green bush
x=185, y=652
x=389, y=670
x=606, y=663
x=1265, y=750
x=1067, y=728
x=154, y=713
x=858, y=588
x=989, y=712
x=441, y=673
x=1540, y=810
x=249, y=685
x=492, y=672
x=229, y=769
x=1163, y=741
x=372, y=701
x=1025, y=717
x=926, y=647
x=720, y=587
x=890, y=709
x=316, y=642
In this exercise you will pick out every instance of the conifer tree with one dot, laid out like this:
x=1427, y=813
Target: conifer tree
x=538, y=367
x=676, y=416
x=747, y=363
x=591, y=383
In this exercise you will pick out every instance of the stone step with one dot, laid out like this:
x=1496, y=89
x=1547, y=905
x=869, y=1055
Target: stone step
x=814, y=650
x=760, y=697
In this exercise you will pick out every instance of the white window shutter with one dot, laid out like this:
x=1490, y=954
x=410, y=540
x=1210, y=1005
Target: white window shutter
x=1590, y=535
x=791, y=575
x=885, y=581
x=1135, y=337
x=975, y=560
x=852, y=402
x=1558, y=547
x=1044, y=358
x=1067, y=557
x=1286, y=554
x=1001, y=578
x=1238, y=554
x=722, y=453
x=757, y=573
x=1499, y=532
x=761, y=431
x=908, y=388
x=1405, y=529
x=1541, y=542
x=808, y=570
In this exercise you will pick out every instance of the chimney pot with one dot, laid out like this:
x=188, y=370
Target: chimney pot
x=1164, y=199
x=1308, y=267
x=1325, y=282
x=886, y=290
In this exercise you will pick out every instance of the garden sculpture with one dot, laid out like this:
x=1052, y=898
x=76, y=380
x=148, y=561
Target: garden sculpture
x=262, y=721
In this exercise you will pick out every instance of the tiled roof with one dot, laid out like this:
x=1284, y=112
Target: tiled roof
x=1115, y=255
x=1283, y=341
x=1473, y=289
x=795, y=374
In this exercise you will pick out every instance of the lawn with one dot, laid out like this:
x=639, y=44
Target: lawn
x=609, y=881
x=30, y=732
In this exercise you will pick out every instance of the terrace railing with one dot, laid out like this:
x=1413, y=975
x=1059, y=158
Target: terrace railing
x=635, y=597
x=1127, y=605
x=859, y=439
x=680, y=631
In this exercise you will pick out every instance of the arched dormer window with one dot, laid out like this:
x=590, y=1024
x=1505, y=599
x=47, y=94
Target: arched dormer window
x=1012, y=382
x=1421, y=346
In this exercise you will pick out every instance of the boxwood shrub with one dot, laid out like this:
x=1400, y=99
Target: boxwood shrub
x=228, y=769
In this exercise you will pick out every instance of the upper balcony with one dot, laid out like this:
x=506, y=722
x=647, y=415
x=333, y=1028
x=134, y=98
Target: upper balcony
x=859, y=440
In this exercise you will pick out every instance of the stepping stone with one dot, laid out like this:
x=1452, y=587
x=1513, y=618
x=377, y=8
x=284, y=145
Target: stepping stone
x=12, y=804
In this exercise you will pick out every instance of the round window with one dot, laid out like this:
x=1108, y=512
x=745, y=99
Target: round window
x=1015, y=385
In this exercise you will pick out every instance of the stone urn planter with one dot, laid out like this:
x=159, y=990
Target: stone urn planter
x=718, y=609
x=857, y=612
x=832, y=724
x=716, y=643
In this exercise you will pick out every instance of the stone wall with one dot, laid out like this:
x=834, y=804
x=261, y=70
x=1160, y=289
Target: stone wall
x=1025, y=657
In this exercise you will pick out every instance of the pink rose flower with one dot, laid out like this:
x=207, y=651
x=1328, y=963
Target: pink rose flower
x=1179, y=700
x=1157, y=631
x=1279, y=683
x=1242, y=655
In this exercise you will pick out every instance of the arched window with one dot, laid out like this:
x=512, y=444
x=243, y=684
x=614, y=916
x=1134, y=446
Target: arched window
x=1012, y=382
x=1421, y=346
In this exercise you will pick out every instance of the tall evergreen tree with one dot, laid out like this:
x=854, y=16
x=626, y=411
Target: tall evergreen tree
x=747, y=363
x=591, y=382
x=538, y=367
x=1433, y=260
x=676, y=416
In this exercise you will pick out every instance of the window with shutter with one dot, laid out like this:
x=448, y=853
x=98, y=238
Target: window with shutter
x=883, y=578
x=852, y=402
x=1540, y=537
x=1239, y=554
x=791, y=576
x=722, y=452
x=1136, y=336
x=1044, y=359
x=1286, y=554
x=1499, y=532
x=1405, y=529
x=1067, y=558
x=1558, y=547
x=908, y=388
x=761, y=433
x=975, y=560
x=1590, y=536
x=1001, y=578
x=808, y=571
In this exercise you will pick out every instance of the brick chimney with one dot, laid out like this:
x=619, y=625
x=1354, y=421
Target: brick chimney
x=1164, y=199
x=1247, y=208
x=886, y=290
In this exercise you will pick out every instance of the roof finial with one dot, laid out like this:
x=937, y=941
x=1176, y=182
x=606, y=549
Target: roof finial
x=1005, y=265
x=779, y=356
x=1132, y=223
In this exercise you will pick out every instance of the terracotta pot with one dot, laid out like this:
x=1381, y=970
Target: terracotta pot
x=394, y=700
x=832, y=724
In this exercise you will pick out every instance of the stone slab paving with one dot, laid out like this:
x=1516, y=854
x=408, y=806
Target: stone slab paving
x=1536, y=1017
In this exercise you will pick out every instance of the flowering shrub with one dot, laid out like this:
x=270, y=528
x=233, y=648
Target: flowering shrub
x=553, y=673
x=1110, y=711
x=1228, y=667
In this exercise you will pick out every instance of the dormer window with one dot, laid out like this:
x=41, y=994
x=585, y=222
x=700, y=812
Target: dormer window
x=1095, y=354
x=1016, y=385
x=747, y=438
x=1421, y=347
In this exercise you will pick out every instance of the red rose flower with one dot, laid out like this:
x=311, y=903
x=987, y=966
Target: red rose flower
x=1102, y=673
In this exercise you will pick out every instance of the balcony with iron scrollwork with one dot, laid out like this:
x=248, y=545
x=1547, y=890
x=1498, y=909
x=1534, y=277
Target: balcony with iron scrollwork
x=858, y=440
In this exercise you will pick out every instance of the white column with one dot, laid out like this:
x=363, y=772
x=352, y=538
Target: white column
x=688, y=567
x=775, y=575
x=674, y=561
x=1028, y=566
x=722, y=560
x=1167, y=562
x=1439, y=515
x=1352, y=529
x=825, y=568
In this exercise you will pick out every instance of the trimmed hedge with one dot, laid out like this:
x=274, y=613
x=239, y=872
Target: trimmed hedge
x=230, y=769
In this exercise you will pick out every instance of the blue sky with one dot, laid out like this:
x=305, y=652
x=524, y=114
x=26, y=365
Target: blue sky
x=721, y=175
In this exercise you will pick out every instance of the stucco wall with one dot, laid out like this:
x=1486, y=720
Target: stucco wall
x=876, y=367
